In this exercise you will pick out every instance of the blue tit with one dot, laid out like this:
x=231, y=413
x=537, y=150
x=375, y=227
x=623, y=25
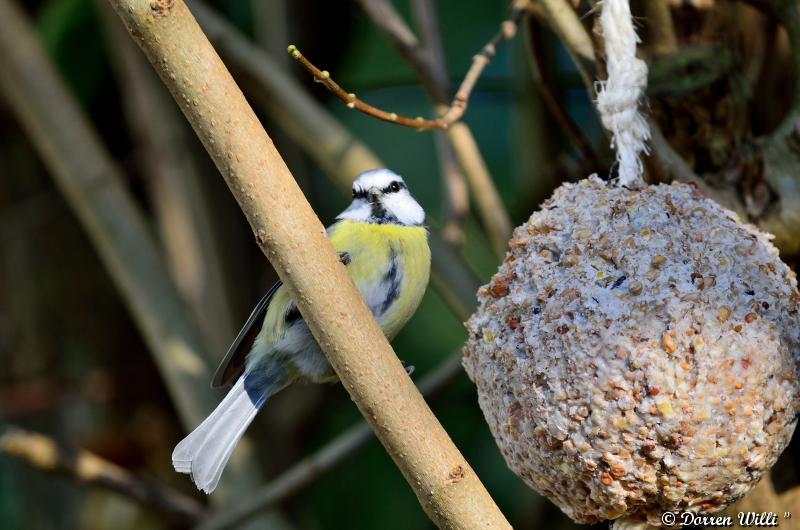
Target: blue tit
x=382, y=240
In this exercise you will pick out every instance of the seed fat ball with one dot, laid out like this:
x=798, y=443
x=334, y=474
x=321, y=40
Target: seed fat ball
x=637, y=352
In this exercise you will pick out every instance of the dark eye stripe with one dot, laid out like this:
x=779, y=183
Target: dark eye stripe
x=362, y=194
x=396, y=185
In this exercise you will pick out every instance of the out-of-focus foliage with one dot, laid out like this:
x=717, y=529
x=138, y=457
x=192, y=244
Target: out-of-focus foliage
x=73, y=364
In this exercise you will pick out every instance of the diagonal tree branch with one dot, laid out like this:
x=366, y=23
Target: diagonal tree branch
x=293, y=238
x=339, y=153
x=93, y=186
x=311, y=126
x=44, y=454
x=334, y=453
x=491, y=209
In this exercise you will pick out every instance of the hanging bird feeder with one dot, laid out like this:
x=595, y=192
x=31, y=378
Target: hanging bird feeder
x=637, y=352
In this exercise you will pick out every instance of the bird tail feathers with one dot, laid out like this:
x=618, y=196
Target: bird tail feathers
x=205, y=451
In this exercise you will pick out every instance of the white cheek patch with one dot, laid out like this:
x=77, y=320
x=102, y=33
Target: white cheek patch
x=396, y=207
x=359, y=210
x=404, y=208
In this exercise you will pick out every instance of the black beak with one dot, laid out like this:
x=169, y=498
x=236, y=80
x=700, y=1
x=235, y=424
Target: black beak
x=374, y=195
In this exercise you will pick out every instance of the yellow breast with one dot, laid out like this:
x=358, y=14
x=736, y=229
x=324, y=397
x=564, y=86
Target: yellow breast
x=390, y=264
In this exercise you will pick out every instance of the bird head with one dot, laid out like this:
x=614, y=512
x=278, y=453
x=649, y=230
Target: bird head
x=381, y=196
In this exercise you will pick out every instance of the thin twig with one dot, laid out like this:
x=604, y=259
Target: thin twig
x=456, y=189
x=44, y=454
x=325, y=460
x=508, y=30
x=491, y=209
x=324, y=77
x=290, y=234
x=458, y=105
x=326, y=141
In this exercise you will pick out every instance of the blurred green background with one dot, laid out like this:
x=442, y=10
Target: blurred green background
x=73, y=363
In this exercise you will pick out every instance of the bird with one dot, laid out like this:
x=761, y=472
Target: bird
x=382, y=239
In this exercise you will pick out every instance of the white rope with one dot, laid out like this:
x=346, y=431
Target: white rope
x=618, y=96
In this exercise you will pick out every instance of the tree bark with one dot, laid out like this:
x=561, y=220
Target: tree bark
x=93, y=186
x=294, y=240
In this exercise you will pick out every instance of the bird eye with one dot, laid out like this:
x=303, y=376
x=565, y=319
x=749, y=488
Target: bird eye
x=394, y=187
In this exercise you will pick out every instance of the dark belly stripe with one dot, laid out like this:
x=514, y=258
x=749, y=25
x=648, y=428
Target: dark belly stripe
x=392, y=281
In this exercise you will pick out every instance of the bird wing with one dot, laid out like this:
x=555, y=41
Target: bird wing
x=232, y=366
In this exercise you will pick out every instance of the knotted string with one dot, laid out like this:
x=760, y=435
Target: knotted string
x=618, y=96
